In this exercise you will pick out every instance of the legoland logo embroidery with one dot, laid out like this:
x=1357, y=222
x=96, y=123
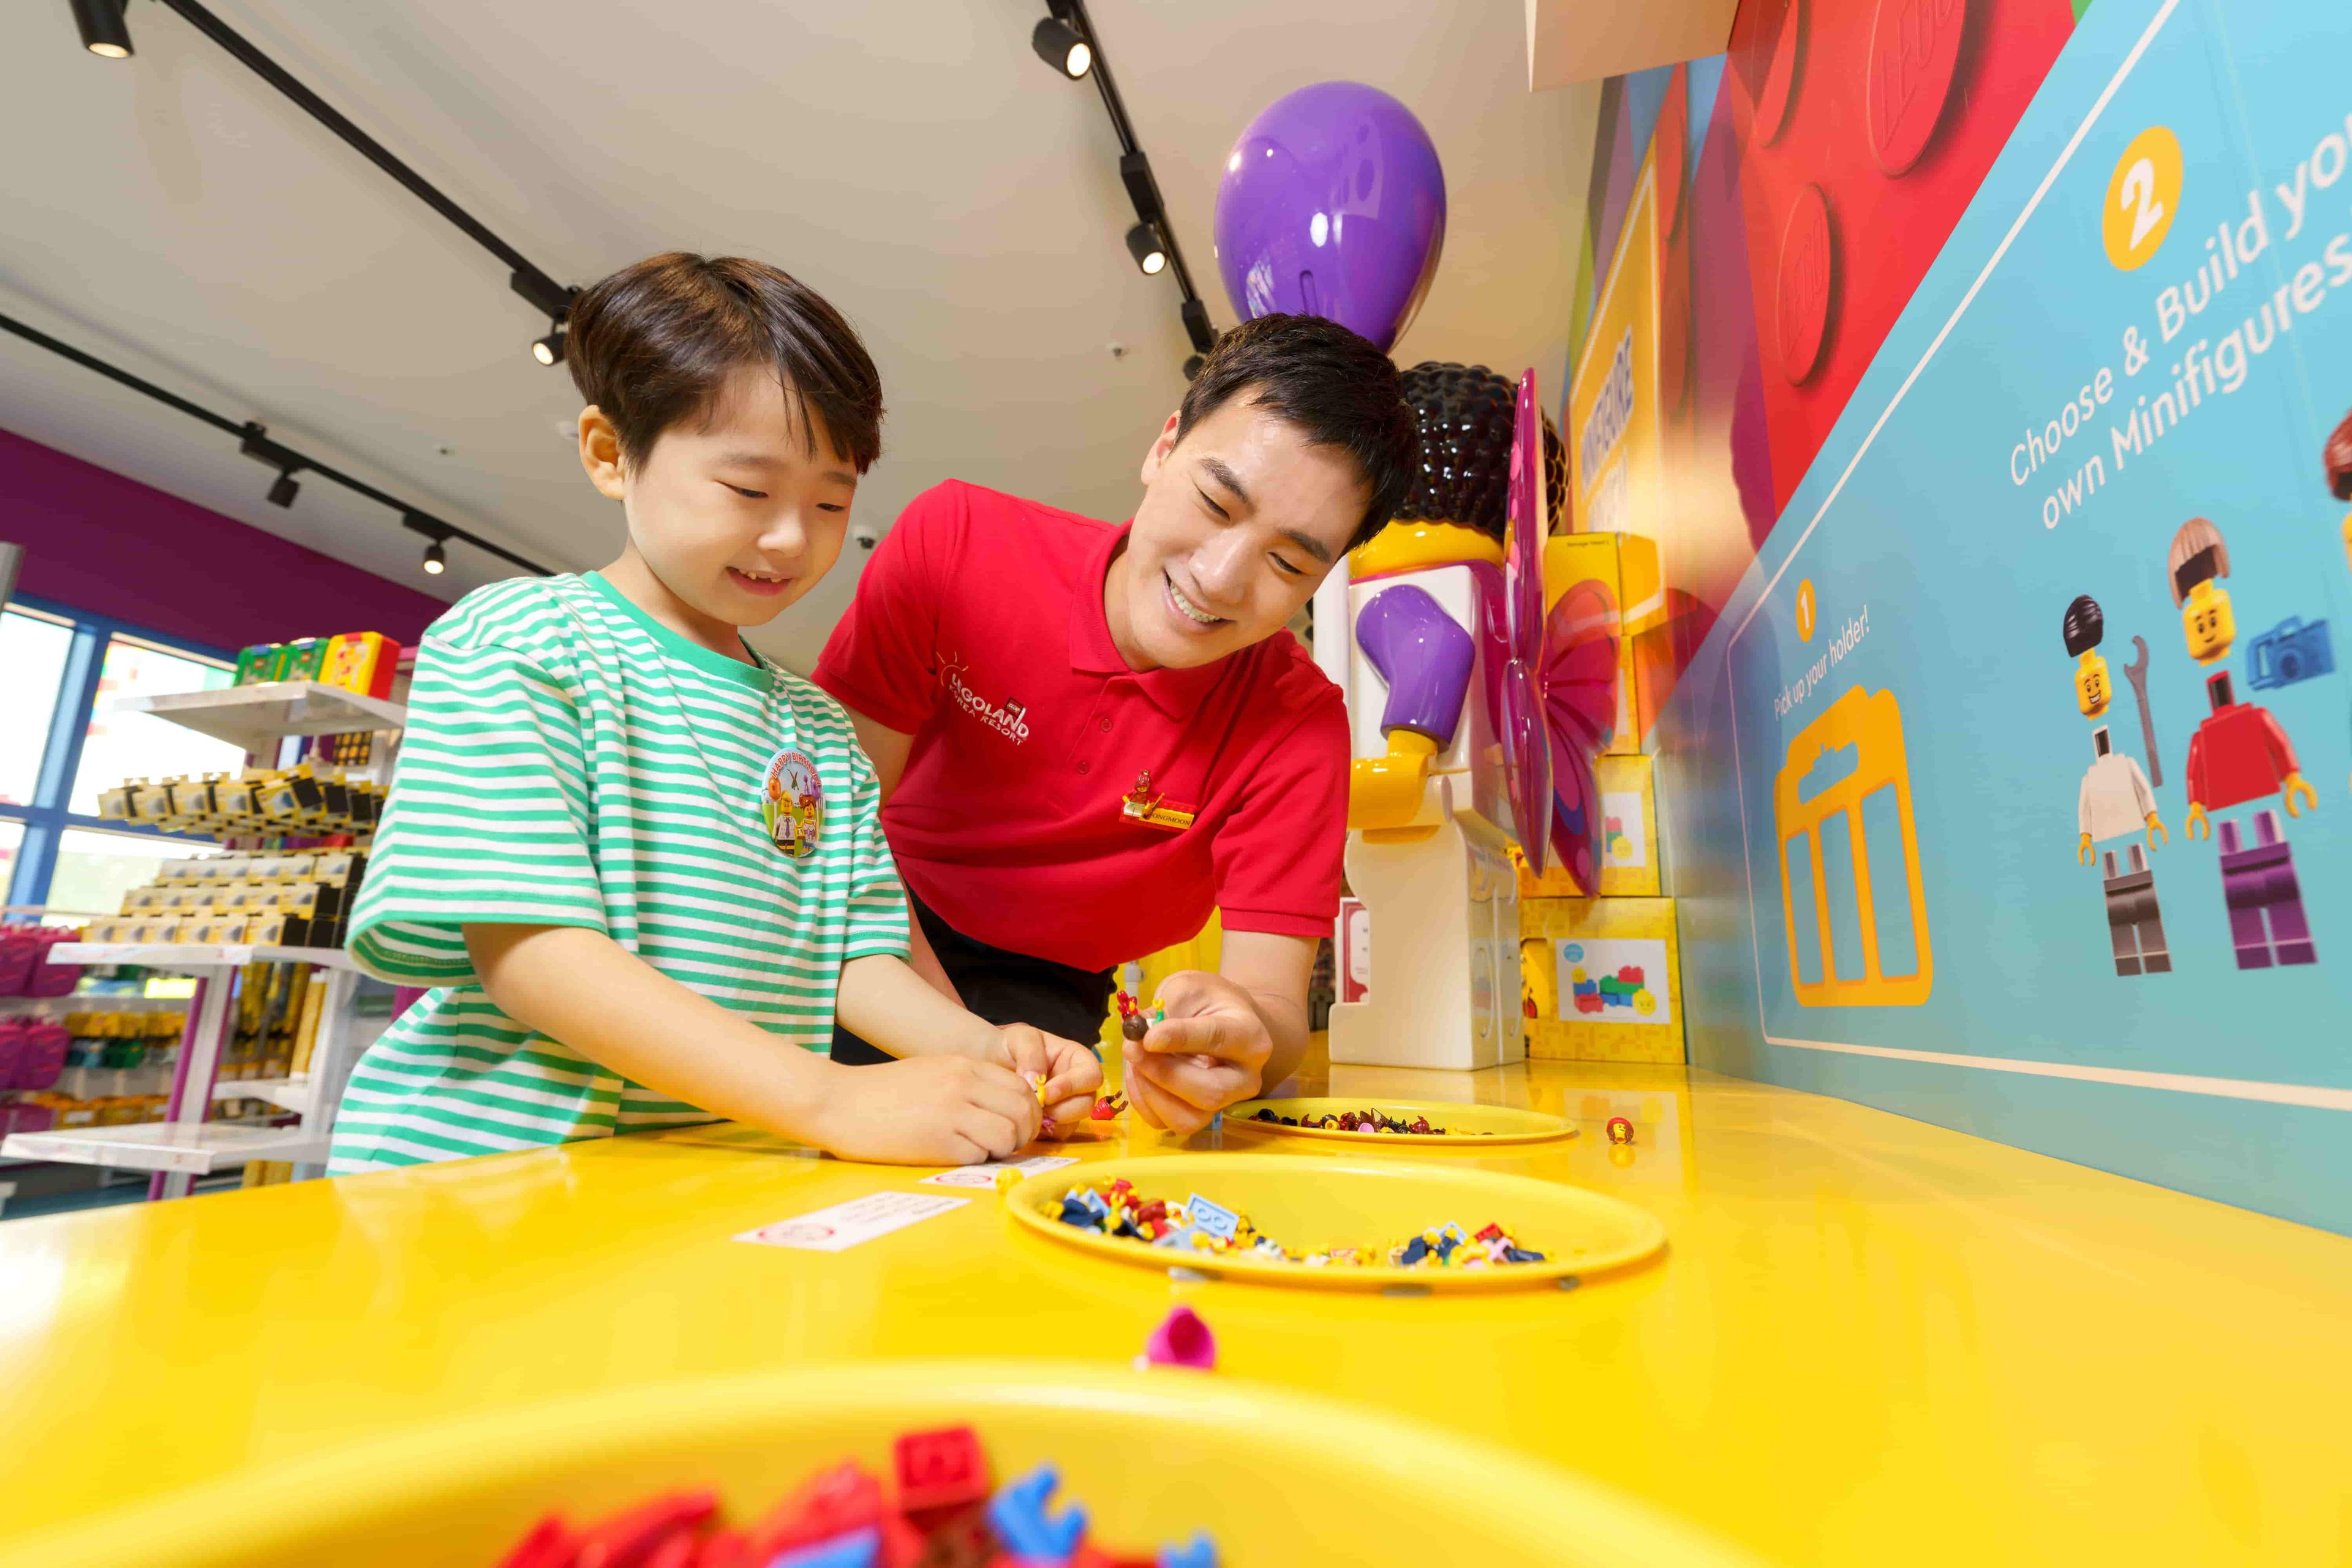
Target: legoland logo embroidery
x=1012, y=721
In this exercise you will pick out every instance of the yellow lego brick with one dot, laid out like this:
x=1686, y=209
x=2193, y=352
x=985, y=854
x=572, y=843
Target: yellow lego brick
x=1572, y=558
x=1601, y=979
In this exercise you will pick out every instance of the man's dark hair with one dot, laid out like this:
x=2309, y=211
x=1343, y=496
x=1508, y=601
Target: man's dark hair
x=1333, y=385
x=654, y=344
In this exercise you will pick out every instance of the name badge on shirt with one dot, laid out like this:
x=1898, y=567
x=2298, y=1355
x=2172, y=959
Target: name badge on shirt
x=1153, y=809
x=792, y=803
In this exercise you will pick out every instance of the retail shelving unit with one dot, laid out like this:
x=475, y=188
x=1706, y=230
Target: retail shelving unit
x=184, y=1145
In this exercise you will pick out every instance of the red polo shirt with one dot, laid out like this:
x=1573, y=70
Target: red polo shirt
x=978, y=629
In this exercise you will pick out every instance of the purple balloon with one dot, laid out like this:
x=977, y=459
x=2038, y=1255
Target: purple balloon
x=1332, y=204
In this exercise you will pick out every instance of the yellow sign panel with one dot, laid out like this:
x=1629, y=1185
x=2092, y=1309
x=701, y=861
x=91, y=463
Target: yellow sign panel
x=1614, y=422
x=1872, y=725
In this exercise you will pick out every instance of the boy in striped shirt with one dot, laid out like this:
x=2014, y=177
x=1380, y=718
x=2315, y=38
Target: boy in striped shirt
x=642, y=866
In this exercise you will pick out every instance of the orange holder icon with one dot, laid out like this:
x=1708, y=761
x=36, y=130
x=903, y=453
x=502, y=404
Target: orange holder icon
x=1871, y=722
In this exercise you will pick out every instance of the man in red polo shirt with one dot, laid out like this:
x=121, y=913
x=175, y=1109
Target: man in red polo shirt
x=1091, y=734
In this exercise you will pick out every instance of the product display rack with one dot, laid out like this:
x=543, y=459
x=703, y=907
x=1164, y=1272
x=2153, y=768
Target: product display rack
x=184, y=1145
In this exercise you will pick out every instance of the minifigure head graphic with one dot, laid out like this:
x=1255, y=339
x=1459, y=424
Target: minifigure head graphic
x=2084, y=627
x=2337, y=457
x=2199, y=560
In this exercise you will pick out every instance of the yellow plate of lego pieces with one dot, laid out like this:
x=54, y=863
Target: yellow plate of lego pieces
x=1359, y=1487
x=1466, y=1126
x=1351, y=1206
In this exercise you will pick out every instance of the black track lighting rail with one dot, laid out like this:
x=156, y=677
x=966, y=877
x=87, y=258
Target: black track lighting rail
x=1135, y=172
x=253, y=441
x=104, y=31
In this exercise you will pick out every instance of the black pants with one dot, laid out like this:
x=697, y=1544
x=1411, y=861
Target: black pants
x=1003, y=987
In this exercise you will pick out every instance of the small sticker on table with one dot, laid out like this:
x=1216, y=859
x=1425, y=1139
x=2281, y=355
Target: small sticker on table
x=844, y=1226
x=985, y=1175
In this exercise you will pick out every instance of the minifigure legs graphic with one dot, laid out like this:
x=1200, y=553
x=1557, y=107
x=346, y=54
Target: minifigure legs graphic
x=2134, y=918
x=2267, y=918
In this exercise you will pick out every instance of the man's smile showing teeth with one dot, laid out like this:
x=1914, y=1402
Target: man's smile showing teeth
x=1188, y=609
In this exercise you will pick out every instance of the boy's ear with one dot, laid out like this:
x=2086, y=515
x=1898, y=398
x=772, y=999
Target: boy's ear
x=1154, y=460
x=600, y=454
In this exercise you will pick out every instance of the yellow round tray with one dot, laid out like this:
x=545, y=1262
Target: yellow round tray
x=1152, y=1457
x=1468, y=1126
x=1309, y=1205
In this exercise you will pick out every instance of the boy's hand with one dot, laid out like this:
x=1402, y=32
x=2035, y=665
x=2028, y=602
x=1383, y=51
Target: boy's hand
x=1209, y=1052
x=1071, y=1072
x=926, y=1110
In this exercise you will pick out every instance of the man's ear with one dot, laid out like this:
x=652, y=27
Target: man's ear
x=1158, y=456
x=600, y=454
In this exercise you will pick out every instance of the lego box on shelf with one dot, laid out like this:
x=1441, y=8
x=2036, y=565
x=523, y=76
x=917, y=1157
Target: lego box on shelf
x=1629, y=838
x=1572, y=558
x=1601, y=979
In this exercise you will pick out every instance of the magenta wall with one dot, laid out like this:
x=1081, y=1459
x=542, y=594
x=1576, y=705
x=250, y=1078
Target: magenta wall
x=98, y=542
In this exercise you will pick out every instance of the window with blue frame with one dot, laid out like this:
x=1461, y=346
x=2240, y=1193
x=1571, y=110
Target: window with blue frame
x=62, y=740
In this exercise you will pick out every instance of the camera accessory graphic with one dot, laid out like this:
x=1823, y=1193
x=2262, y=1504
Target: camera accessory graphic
x=1871, y=722
x=2294, y=649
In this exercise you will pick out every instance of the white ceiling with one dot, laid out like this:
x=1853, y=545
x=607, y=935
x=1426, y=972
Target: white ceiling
x=913, y=160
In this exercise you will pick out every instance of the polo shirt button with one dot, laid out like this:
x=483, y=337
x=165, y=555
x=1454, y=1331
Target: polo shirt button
x=1106, y=724
x=1084, y=767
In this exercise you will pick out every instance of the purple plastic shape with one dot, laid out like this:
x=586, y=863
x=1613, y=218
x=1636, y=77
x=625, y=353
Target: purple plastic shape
x=1181, y=1340
x=1423, y=654
x=1522, y=731
x=1332, y=204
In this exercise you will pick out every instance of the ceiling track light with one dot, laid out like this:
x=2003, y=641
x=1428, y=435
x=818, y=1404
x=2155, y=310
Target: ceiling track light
x=1059, y=45
x=549, y=349
x=437, y=533
x=1143, y=244
x=104, y=31
x=283, y=492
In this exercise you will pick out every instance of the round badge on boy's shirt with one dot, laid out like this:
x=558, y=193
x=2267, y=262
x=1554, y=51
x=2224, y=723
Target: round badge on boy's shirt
x=792, y=803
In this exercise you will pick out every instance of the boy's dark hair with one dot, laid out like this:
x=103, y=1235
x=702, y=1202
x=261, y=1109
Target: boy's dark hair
x=654, y=344
x=1335, y=386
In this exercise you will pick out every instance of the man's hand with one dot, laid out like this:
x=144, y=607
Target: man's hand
x=1071, y=1072
x=1209, y=1052
x=925, y=1111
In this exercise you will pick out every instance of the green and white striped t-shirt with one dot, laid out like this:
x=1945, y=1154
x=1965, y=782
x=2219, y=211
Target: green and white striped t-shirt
x=569, y=761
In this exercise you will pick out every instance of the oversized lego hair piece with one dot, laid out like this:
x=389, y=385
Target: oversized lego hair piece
x=2085, y=626
x=2338, y=455
x=2198, y=555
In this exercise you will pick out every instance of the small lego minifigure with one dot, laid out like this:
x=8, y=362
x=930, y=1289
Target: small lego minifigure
x=2084, y=629
x=2115, y=800
x=1620, y=1131
x=2336, y=456
x=2240, y=753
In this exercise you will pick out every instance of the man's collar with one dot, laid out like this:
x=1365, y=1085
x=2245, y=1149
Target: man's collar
x=1175, y=692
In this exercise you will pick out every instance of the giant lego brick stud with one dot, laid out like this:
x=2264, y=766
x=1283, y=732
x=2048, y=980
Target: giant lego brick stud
x=2240, y=753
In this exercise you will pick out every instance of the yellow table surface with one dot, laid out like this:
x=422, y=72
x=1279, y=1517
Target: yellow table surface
x=1870, y=1341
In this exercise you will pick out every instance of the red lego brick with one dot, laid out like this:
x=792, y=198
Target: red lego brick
x=550, y=1545
x=630, y=1537
x=940, y=1469
x=847, y=1497
x=725, y=1549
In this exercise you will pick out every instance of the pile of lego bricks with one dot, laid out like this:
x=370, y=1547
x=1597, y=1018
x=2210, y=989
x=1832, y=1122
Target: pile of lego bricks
x=1366, y=1120
x=942, y=1513
x=1198, y=1224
